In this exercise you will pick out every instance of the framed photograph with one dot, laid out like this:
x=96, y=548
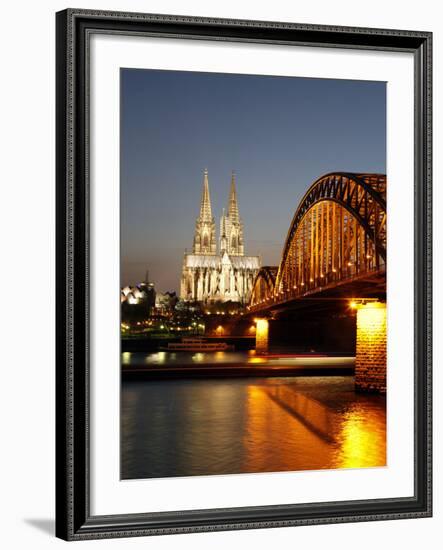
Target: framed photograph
x=243, y=274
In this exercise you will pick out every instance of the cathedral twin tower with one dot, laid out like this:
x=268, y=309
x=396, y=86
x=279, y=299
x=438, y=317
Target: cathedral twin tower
x=231, y=228
x=209, y=275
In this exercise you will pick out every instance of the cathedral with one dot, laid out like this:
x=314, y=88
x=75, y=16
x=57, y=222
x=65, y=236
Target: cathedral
x=226, y=274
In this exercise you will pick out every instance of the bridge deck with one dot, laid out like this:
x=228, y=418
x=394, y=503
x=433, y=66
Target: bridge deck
x=368, y=285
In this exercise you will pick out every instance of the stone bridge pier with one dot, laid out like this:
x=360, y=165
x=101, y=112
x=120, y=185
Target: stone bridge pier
x=371, y=352
x=262, y=336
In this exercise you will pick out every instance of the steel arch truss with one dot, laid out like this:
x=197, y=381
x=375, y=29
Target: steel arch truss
x=338, y=232
x=264, y=285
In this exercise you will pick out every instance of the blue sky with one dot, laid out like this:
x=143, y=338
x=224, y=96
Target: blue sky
x=277, y=133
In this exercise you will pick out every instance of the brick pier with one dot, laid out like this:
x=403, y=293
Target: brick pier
x=370, y=357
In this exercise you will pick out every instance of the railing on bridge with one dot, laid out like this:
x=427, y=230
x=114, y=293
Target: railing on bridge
x=338, y=234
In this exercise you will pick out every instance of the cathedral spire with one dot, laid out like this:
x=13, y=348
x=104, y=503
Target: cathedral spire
x=233, y=213
x=204, y=237
x=234, y=226
x=205, y=205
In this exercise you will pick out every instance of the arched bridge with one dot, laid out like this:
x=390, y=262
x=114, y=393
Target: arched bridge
x=337, y=237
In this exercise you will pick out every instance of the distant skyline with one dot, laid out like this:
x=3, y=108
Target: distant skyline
x=278, y=134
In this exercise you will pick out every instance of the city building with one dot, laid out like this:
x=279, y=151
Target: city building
x=226, y=274
x=143, y=294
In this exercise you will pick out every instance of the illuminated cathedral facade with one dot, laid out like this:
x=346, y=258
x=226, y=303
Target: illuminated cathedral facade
x=223, y=273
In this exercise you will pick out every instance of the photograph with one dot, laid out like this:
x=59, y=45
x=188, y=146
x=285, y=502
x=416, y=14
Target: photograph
x=253, y=254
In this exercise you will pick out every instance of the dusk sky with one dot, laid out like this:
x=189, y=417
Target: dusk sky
x=279, y=134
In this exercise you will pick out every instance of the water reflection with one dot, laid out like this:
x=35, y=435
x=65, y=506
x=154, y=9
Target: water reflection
x=201, y=427
x=126, y=358
x=361, y=442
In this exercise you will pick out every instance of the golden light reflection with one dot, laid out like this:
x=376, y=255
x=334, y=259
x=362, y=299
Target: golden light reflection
x=271, y=427
x=126, y=358
x=362, y=441
x=255, y=360
x=309, y=434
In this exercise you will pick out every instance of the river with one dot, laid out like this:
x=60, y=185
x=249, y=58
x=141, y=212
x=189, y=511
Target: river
x=244, y=425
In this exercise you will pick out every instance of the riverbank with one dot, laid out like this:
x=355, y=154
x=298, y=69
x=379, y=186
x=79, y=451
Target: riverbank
x=256, y=367
x=154, y=344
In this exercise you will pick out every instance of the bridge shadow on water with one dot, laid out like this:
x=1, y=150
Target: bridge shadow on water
x=334, y=429
x=312, y=414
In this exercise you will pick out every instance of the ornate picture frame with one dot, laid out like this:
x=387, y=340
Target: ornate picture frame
x=74, y=520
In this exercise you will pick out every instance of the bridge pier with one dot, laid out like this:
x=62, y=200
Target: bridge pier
x=262, y=336
x=370, y=356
